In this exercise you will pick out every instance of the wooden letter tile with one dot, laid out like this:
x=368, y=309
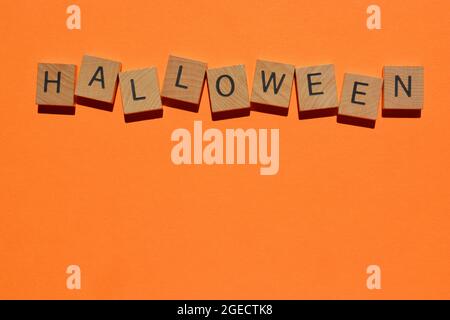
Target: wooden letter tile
x=140, y=94
x=316, y=91
x=97, y=82
x=55, y=84
x=228, y=92
x=272, y=86
x=403, y=91
x=183, y=83
x=360, y=98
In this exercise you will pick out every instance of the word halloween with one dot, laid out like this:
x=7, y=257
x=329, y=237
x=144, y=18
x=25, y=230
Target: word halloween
x=98, y=79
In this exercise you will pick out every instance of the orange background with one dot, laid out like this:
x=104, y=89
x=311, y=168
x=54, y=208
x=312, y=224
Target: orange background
x=91, y=190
